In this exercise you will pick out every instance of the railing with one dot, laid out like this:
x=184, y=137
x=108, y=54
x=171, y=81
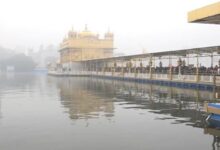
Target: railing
x=180, y=78
x=184, y=78
x=143, y=75
x=161, y=76
x=118, y=74
x=108, y=74
x=129, y=75
x=206, y=79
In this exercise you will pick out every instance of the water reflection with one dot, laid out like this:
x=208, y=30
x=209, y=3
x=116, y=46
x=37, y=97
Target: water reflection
x=83, y=100
x=11, y=84
x=216, y=137
x=41, y=112
x=12, y=81
x=88, y=97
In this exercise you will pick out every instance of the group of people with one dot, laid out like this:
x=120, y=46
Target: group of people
x=181, y=68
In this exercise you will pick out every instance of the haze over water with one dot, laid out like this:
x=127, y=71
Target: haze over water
x=45, y=112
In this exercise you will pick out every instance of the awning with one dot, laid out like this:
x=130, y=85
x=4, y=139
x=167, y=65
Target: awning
x=209, y=14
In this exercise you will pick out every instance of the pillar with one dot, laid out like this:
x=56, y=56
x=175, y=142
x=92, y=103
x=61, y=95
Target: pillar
x=212, y=60
x=170, y=69
x=115, y=66
x=135, y=68
x=129, y=67
x=122, y=68
x=179, y=66
x=150, y=65
x=197, y=67
x=141, y=65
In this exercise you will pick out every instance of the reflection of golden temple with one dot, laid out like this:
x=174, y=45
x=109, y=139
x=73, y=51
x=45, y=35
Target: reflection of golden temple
x=90, y=97
x=83, y=103
x=85, y=45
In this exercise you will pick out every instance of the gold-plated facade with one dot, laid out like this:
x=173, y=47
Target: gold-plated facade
x=85, y=45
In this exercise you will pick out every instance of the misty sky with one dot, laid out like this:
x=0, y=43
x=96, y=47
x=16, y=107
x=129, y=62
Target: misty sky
x=153, y=25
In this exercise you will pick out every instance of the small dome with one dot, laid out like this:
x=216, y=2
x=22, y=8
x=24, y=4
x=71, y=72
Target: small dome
x=109, y=35
x=72, y=34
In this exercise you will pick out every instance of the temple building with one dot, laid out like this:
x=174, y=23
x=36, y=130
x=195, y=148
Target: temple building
x=85, y=45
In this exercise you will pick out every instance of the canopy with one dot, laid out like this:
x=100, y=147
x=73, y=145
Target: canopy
x=209, y=14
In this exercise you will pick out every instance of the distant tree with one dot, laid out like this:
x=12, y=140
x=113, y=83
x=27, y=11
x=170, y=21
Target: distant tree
x=5, y=53
x=20, y=62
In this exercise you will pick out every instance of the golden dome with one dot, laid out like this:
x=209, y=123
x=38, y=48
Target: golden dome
x=86, y=33
x=109, y=34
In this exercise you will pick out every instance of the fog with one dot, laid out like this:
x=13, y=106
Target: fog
x=149, y=25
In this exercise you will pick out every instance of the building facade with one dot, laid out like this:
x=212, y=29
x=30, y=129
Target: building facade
x=85, y=45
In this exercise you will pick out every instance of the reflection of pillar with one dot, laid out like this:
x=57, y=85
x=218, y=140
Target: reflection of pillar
x=197, y=96
x=171, y=92
x=151, y=93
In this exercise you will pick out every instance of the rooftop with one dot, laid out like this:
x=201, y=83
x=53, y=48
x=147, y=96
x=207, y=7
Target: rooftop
x=183, y=52
x=209, y=14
